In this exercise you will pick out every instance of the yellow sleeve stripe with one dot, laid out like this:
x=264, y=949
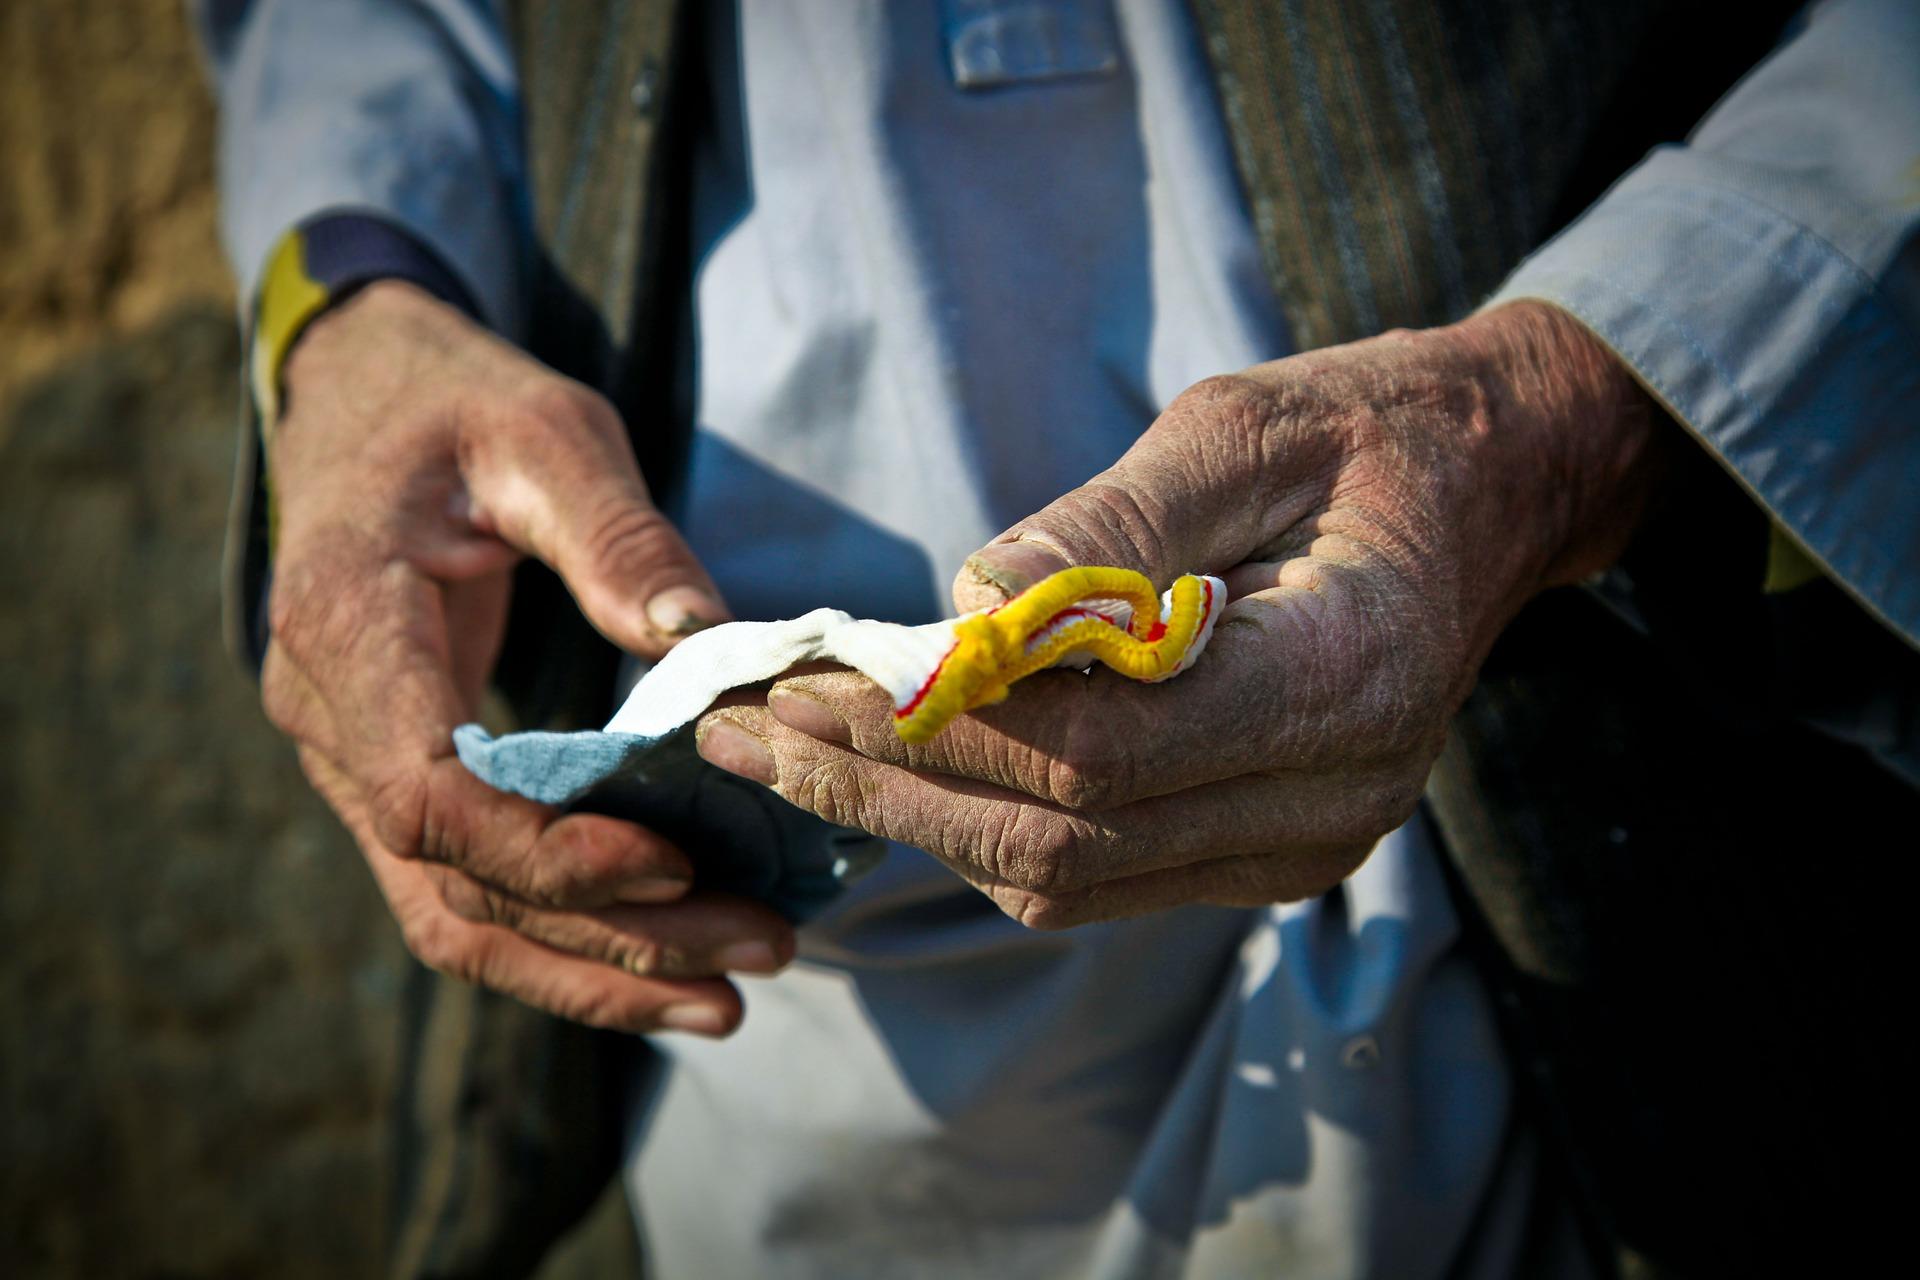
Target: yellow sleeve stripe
x=1788, y=564
x=289, y=298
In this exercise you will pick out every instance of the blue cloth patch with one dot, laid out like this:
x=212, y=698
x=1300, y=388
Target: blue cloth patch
x=741, y=837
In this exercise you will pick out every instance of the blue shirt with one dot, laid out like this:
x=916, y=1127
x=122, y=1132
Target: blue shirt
x=925, y=311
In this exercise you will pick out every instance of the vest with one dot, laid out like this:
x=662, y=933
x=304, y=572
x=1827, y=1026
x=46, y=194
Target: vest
x=1627, y=834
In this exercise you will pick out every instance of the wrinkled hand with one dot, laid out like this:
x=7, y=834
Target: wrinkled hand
x=419, y=458
x=1379, y=512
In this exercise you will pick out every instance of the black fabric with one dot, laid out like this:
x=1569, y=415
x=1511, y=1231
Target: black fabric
x=507, y=1127
x=1700, y=910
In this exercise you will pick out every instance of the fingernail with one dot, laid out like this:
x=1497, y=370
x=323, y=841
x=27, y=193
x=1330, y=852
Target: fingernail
x=997, y=573
x=701, y=1019
x=808, y=714
x=647, y=889
x=727, y=745
x=746, y=957
x=681, y=611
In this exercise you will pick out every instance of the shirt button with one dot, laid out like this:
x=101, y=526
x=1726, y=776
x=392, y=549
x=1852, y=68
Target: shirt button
x=1360, y=1053
x=645, y=94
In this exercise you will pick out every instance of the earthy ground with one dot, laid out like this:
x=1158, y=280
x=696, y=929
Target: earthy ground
x=198, y=982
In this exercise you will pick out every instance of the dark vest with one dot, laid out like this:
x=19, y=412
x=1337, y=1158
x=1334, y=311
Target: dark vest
x=1631, y=831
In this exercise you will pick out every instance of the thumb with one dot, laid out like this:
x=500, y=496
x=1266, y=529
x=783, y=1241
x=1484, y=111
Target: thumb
x=1115, y=519
x=571, y=495
x=1186, y=498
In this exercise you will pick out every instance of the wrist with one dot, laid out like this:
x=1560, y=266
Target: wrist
x=316, y=270
x=1584, y=451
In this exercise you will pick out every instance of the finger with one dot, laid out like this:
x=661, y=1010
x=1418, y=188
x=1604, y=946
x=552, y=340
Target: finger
x=697, y=936
x=1251, y=880
x=370, y=635
x=538, y=855
x=1265, y=695
x=1220, y=474
x=561, y=483
x=369, y=649
x=1044, y=848
x=584, y=990
x=701, y=936
x=514, y=846
x=580, y=989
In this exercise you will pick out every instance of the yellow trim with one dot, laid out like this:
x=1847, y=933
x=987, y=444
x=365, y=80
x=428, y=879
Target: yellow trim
x=990, y=648
x=289, y=298
x=1788, y=565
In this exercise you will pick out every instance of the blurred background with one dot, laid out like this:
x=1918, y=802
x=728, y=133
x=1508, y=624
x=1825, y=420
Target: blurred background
x=198, y=983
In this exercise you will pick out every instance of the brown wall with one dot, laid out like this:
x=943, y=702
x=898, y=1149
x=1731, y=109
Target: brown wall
x=199, y=988
x=106, y=168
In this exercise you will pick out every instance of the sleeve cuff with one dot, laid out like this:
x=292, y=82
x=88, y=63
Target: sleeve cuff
x=319, y=263
x=1773, y=348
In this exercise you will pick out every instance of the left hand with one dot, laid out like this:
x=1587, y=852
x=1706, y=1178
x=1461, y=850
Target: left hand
x=1379, y=512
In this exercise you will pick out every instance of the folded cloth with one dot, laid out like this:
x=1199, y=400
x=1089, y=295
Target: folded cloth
x=744, y=839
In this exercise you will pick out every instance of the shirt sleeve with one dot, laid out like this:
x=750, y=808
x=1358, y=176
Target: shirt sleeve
x=359, y=140
x=400, y=116
x=1763, y=281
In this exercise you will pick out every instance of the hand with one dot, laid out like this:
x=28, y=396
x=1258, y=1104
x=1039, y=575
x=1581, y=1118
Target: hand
x=418, y=459
x=1379, y=512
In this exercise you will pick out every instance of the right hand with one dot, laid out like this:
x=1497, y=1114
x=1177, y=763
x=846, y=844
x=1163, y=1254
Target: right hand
x=419, y=457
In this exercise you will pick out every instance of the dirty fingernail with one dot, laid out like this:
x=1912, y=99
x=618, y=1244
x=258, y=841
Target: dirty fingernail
x=701, y=1019
x=681, y=611
x=727, y=745
x=808, y=714
x=998, y=572
x=746, y=957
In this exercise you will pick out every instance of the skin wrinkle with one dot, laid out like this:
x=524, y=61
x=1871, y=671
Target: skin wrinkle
x=1036, y=846
x=419, y=458
x=1441, y=478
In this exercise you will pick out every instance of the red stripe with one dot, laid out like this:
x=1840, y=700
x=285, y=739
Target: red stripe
x=901, y=713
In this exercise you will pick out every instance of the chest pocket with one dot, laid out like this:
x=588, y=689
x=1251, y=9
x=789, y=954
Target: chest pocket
x=991, y=43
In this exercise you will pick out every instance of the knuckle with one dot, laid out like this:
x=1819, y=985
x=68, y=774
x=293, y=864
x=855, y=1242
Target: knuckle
x=647, y=957
x=292, y=615
x=1228, y=428
x=1072, y=784
x=398, y=807
x=283, y=705
x=1222, y=392
x=830, y=787
x=1230, y=402
x=1036, y=850
x=1091, y=772
x=432, y=943
x=1401, y=797
x=550, y=403
x=599, y=1008
x=628, y=530
x=476, y=903
x=1041, y=912
x=580, y=871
